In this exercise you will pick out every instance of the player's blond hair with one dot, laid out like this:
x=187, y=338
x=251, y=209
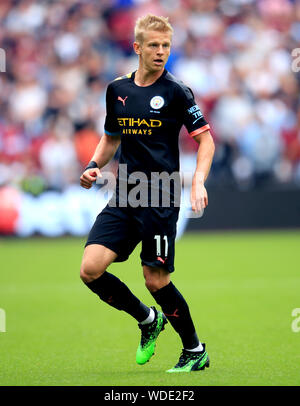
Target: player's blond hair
x=151, y=22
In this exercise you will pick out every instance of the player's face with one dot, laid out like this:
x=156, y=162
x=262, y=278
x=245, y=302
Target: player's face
x=155, y=50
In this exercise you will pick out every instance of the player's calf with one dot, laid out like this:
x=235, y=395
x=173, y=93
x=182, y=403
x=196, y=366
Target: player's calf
x=114, y=292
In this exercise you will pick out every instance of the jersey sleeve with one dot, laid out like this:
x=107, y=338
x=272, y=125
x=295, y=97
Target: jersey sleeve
x=193, y=118
x=111, y=126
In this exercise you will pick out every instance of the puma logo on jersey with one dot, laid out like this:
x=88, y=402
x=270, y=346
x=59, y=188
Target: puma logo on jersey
x=122, y=100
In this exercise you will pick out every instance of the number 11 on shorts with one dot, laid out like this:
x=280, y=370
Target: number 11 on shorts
x=159, y=247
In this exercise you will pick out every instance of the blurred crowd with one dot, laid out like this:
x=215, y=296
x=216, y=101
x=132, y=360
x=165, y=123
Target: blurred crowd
x=236, y=55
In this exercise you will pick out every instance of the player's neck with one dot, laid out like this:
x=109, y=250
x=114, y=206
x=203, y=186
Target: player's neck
x=145, y=78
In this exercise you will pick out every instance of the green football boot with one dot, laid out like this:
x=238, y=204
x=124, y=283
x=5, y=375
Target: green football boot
x=149, y=336
x=191, y=361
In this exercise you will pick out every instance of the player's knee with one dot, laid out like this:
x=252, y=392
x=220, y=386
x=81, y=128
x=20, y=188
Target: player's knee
x=154, y=284
x=155, y=278
x=90, y=271
x=150, y=285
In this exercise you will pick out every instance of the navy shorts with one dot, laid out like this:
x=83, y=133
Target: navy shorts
x=122, y=228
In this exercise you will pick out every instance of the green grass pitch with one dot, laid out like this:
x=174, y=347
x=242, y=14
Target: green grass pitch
x=241, y=288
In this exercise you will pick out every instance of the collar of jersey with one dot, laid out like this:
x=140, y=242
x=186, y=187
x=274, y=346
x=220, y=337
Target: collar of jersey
x=133, y=76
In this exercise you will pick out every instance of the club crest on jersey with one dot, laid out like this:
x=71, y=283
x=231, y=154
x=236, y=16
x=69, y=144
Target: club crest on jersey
x=157, y=102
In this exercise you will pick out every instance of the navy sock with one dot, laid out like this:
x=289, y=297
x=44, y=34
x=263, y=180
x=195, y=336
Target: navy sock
x=114, y=292
x=177, y=312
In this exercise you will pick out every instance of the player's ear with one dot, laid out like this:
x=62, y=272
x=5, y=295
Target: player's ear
x=137, y=48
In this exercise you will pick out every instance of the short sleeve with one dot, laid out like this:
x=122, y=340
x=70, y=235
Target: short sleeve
x=193, y=120
x=111, y=126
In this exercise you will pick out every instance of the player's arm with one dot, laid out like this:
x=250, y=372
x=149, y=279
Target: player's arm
x=198, y=128
x=104, y=152
x=206, y=150
x=108, y=144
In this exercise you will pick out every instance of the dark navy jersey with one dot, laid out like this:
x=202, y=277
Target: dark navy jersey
x=149, y=120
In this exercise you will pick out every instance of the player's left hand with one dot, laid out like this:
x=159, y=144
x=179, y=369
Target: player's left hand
x=199, y=197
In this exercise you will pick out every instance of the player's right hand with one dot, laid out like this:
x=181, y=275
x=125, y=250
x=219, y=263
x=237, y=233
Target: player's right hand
x=89, y=176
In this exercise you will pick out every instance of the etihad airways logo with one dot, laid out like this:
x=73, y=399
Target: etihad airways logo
x=131, y=122
x=138, y=125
